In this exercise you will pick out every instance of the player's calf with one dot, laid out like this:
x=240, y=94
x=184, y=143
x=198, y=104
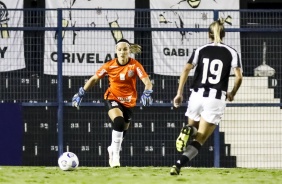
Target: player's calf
x=185, y=133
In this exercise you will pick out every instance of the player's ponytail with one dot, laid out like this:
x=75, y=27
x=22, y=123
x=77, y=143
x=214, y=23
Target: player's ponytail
x=216, y=31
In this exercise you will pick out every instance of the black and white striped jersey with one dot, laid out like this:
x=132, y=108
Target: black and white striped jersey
x=213, y=64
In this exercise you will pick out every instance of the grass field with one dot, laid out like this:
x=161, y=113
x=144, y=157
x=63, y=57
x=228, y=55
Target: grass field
x=137, y=175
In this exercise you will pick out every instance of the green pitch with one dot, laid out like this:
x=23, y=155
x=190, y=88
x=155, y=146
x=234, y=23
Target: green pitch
x=137, y=175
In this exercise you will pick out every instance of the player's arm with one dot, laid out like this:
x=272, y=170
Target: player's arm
x=237, y=83
x=91, y=82
x=146, y=96
x=147, y=82
x=182, y=81
x=77, y=98
x=184, y=77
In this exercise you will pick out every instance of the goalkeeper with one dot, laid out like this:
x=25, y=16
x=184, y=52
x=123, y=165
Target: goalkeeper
x=121, y=95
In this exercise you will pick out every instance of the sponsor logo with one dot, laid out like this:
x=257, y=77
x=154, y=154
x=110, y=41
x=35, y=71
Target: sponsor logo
x=125, y=99
x=139, y=71
x=122, y=76
x=130, y=73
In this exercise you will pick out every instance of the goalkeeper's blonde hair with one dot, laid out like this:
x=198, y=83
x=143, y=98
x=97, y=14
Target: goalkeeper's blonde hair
x=216, y=31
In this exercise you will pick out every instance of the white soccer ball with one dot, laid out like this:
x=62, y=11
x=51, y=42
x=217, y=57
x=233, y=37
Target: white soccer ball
x=68, y=161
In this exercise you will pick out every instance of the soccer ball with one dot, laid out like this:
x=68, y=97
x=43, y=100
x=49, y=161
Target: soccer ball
x=68, y=161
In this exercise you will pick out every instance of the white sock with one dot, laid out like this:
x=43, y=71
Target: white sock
x=116, y=142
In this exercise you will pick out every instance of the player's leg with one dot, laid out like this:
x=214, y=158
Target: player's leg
x=121, y=117
x=127, y=114
x=192, y=150
x=116, y=115
x=204, y=131
x=126, y=126
x=187, y=132
x=117, y=134
x=211, y=115
x=193, y=125
x=193, y=112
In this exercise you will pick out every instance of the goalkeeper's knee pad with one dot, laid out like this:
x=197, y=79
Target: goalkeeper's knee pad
x=118, y=124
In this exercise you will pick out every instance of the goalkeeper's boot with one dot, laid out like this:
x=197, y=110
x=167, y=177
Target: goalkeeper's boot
x=174, y=170
x=110, y=151
x=183, y=138
x=115, y=162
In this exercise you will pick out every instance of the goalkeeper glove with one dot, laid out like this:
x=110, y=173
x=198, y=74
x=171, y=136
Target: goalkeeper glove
x=76, y=99
x=146, y=98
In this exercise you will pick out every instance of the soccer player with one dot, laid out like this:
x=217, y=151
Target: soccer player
x=121, y=95
x=213, y=63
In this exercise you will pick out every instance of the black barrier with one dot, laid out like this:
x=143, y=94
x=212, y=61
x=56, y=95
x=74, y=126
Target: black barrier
x=11, y=134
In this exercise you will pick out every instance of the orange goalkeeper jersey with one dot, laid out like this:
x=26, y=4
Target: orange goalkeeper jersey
x=122, y=80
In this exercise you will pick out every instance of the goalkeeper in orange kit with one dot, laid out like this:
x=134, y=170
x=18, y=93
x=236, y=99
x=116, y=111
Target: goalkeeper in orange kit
x=121, y=95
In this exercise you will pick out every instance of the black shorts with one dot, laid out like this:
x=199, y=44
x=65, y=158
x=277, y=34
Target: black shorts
x=127, y=112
